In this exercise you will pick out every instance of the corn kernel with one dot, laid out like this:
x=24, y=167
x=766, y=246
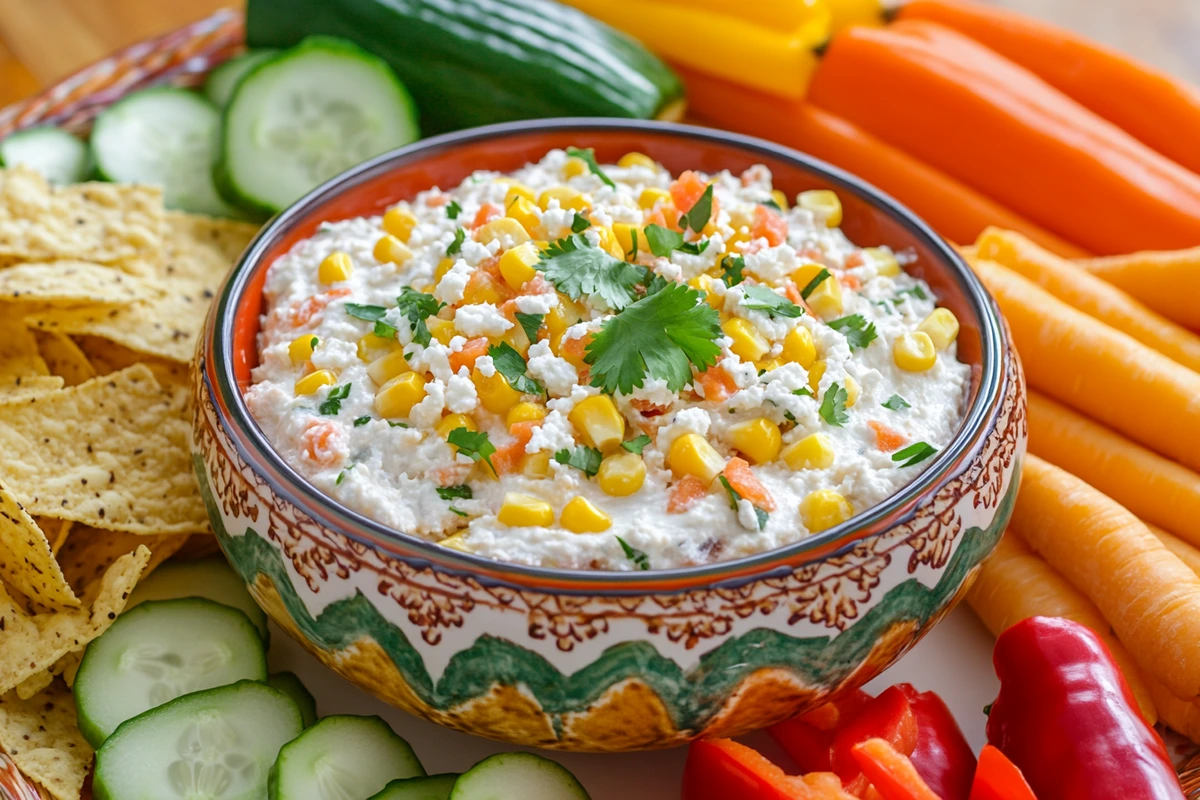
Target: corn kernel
x=399, y=222
x=456, y=542
x=517, y=189
x=537, y=465
x=441, y=329
x=599, y=422
x=651, y=195
x=767, y=365
x=580, y=516
x=826, y=299
x=516, y=338
x=315, y=380
x=780, y=199
x=624, y=232
x=524, y=412
x=884, y=260
x=824, y=204
x=567, y=197
x=853, y=390
x=814, y=451
x=495, y=394
x=371, y=347
x=483, y=288
x=704, y=283
x=452, y=422
x=390, y=249
x=799, y=347
x=500, y=229
x=301, y=348
x=608, y=241
x=516, y=265
x=740, y=236
x=815, y=373
x=441, y=269
x=804, y=273
x=942, y=327
x=748, y=343
x=636, y=159
x=574, y=168
x=525, y=212
x=335, y=267
x=914, y=352
x=691, y=454
x=386, y=367
x=397, y=397
x=823, y=509
x=522, y=511
x=621, y=474
x=757, y=439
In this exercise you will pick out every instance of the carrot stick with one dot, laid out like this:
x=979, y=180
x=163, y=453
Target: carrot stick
x=1167, y=282
x=998, y=128
x=954, y=210
x=1150, y=597
x=1159, y=109
x=1015, y=584
x=1101, y=372
x=1091, y=295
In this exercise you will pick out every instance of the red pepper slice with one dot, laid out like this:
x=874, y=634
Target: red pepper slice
x=888, y=717
x=891, y=773
x=997, y=778
x=808, y=738
x=942, y=755
x=721, y=769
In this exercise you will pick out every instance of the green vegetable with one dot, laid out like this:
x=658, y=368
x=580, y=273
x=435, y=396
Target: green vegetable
x=585, y=459
x=333, y=400
x=417, y=307
x=734, y=496
x=455, y=246
x=858, y=332
x=764, y=298
x=697, y=216
x=639, y=559
x=509, y=363
x=531, y=324
x=588, y=156
x=914, y=454
x=662, y=241
x=453, y=209
x=637, y=444
x=580, y=223
x=576, y=268
x=895, y=403
x=473, y=444
x=833, y=407
x=363, y=420
x=460, y=492
x=814, y=283
x=731, y=270
x=368, y=313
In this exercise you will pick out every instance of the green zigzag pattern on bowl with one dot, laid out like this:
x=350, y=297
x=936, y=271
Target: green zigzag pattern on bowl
x=692, y=697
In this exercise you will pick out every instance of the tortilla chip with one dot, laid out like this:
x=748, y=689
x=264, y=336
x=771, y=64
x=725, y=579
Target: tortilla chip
x=33, y=684
x=199, y=545
x=63, y=357
x=56, y=531
x=20, y=390
x=75, y=283
x=42, y=738
x=98, y=222
x=203, y=249
x=111, y=452
x=26, y=561
x=106, y=357
x=19, y=357
x=89, y=553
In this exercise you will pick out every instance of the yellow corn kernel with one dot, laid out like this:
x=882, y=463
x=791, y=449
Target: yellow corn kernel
x=624, y=232
x=371, y=347
x=580, y=516
x=757, y=439
x=559, y=318
x=399, y=222
x=748, y=343
x=386, y=367
x=315, y=380
x=814, y=451
x=942, y=327
x=608, y=241
x=823, y=509
x=691, y=454
x=440, y=329
x=914, y=352
x=499, y=229
x=390, y=249
x=397, y=397
x=301, y=348
x=804, y=273
x=824, y=204
x=522, y=511
x=767, y=365
x=826, y=299
x=621, y=474
x=884, y=260
x=484, y=291
x=574, y=168
x=524, y=412
x=780, y=199
x=566, y=197
x=336, y=267
x=456, y=542
x=636, y=159
x=516, y=338
x=536, y=465
x=853, y=390
x=740, y=236
x=441, y=269
x=599, y=423
x=494, y=392
x=799, y=347
x=517, y=189
x=704, y=283
x=516, y=265
x=525, y=212
x=652, y=195
x=815, y=373
x=452, y=422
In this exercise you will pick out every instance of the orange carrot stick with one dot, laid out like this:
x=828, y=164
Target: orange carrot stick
x=1167, y=282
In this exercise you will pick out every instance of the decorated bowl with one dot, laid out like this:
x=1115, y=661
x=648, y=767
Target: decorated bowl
x=588, y=660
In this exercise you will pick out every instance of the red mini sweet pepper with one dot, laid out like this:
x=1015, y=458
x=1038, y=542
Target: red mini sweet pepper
x=1066, y=718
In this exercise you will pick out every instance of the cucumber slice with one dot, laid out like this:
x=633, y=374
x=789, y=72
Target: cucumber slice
x=59, y=156
x=159, y=651
x=165, y=137
x=430, y=787
x=342, y=758
x=221, y=82
x=305, y=115
x=289, y=684
x=518, y=776
x=211, y=578
x=212, y=745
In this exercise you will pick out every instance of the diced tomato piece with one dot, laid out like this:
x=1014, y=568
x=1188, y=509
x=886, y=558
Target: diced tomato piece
x=855, y=259
x=486, y=213
x=887, y=439
x=303, y=313
x=769, y=225
x=664, y=216
x=485, y=287
x=718, y=384
x=573, y=350
x=324, y=443
x=891, y=773
x=472, y=350
x=508, y=458
x=451, y=474
x=744, y=482
x=889, y=717
x=436, y=200
x=850, y=282
x=684, y=493
x=687, y=189
x=648, y=408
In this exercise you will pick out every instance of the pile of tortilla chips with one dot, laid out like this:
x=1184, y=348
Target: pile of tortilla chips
x=102, y=297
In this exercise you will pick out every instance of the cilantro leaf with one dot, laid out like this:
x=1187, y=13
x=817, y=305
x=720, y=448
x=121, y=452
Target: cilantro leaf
x=697, y=216
x=509, y=363
x=770, y=203
x=367, y=313
x=657, y=336
x=459, y=511
x=585, y=459
x=833, y=407
x=663, y=241
x=417, y=307
x=384, y=331
x=333, y=400
x=734, y=496
x=639, y=559
x=895, y=403
x=576, y=268
x=313, y=342
x=588, y=157
x=764, y=298
x=637, y=444
x=817, y=280
x=633, y=250
x=473, y=444
x=803, y=391
x=453, y=209
x=455, y=247
x=914, y=453
x=460, y=492
x=915, y=291
x=397, y=424
x=731, y=269
x=580, y=223
x=531, y=324
x=363, y=420
x=858, y=332
x=342, y=475
x=762, y=517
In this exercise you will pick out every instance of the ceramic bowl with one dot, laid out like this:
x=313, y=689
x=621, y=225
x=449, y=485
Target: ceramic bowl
x=604, y=661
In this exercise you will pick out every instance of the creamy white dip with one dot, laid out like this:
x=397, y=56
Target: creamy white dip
x=391, y=469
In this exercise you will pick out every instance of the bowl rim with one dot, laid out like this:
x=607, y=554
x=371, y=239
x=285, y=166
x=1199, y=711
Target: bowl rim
x=251, y=442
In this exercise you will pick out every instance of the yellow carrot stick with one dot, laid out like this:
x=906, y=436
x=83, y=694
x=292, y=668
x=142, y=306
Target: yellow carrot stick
x=1102, y=372
x=1150, y=597
x=1167, y=281
x=1092, y=295
x=1154, y=488
x=1015, y=584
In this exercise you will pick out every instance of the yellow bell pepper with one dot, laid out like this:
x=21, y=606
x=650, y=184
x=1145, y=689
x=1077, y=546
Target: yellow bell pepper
x=774, y=15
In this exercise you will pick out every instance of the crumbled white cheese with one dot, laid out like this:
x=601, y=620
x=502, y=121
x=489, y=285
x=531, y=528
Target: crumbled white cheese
x=481, y=319
x=556, y=374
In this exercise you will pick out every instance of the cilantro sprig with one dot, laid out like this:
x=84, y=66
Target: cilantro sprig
x=583, y=458
x=895, y=403
x=637, y=444
x=474, y=444
x=639, y=558
x=372, y=314
x=455, y=246
x=914, y=454
x=453, y=209
x=576, y=268
x=460, y=492
x=764, y=298
x=508, y=362
x=833, y=406
x=333, y=400
x=531, y=324
x=858, y=332
x=698, y=215
x=731, y=269
x=662, y=241
x=417, y=307
x=588, y=157
x=817, y=280
x=580, y=223
x=734, y=496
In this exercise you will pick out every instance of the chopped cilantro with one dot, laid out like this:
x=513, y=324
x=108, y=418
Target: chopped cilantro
x=833, y=407
x=734, y=496
x=588, y=157
x=663, y=240
x=342, y=475
x=762, y=517
x=895, y=403
x=731, y=269
x=455, y=247
x=580, y=223
x=637, y=444
x=459, y=492
x=417, y=307
x=531, y=324
x=764, y=298
x=458, y=511
x=858, y=332
x=509, y=363
x=914, y=453
x=633, y=251
x=333, y=400
x=817, y=280
x=383, y=330
x=397, y=424
x=313, y=342
x=915, y=291
x=697, y=216
x=803, y=391
x=661, y=335
x=363, y=420
x=576, y=268
x=473, y=444
x=639, y=559
x=585, y=459
x=367, y=313
x=789, y=416
x=770, y=203
x=453, y=209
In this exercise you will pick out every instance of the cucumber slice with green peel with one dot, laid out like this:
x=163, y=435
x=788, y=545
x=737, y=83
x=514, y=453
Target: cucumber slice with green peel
x=304, y=116
x=159, y=651
x=221, y=82
x=60, y=157
x=289, y=684
x=430, y=787
x=211, y=578
x=163, y=137
x=213, y=745
x=342, y=758
x=518, y=776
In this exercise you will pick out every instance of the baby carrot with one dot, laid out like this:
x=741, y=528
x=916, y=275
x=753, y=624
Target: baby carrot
x=1166, y=281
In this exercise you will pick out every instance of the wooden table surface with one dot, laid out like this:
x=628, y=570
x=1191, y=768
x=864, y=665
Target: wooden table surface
x=44, y=40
